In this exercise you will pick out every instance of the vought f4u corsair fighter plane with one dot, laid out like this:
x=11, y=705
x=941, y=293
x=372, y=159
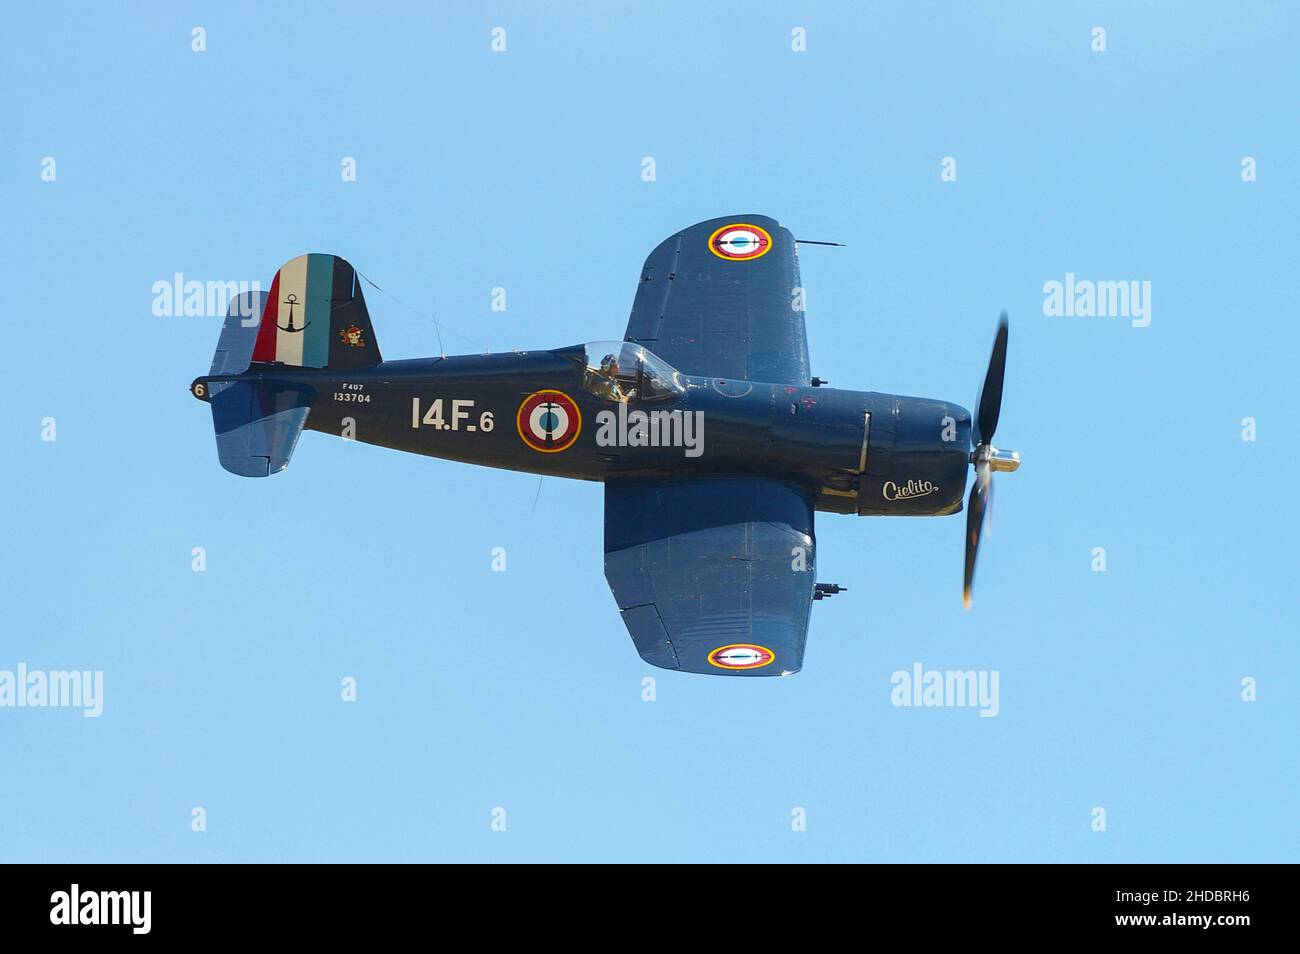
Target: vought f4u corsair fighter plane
x=714, y=443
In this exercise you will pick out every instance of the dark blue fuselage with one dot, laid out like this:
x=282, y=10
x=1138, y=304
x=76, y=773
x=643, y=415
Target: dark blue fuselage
x=855, y=452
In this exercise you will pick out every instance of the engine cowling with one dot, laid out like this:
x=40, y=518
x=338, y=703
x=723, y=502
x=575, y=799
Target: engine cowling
x=918, y=455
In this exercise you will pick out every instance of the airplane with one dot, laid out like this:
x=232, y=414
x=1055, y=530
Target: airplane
x=714, y=442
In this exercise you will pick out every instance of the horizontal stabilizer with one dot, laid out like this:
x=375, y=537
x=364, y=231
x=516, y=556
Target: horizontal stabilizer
x=258, y=423
x=239, y=333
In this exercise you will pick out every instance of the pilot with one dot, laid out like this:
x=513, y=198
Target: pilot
x=604, y=382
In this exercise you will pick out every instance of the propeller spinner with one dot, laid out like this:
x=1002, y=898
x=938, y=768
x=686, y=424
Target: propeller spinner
x=986, y=458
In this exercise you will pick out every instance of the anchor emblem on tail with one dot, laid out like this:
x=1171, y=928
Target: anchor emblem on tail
x=291, y=301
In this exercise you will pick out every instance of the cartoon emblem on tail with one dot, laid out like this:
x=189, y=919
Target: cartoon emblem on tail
x=351, y=335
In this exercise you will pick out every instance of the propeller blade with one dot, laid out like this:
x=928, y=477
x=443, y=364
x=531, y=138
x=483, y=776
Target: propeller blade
x=979, y=493
x=990, y=403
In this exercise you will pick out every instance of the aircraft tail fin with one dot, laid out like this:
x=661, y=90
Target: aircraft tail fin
x=315, y=317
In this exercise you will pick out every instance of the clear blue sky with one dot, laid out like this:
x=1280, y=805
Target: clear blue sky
x=522, y=689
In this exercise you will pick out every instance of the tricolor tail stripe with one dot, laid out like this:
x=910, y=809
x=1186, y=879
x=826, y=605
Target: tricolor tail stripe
x=320, y=294
x=295, y=328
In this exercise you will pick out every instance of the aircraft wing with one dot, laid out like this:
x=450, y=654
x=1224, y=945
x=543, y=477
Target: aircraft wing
x=723, y=299
x=712, y=575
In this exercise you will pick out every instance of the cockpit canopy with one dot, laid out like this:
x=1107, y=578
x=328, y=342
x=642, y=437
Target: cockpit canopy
x=625, y=371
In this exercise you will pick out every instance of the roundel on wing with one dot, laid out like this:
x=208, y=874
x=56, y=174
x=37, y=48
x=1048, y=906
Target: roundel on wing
x=740, y=242
x=741, y=656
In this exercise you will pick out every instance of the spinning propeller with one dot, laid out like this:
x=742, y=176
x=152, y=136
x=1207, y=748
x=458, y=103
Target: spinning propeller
x=986, y=458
